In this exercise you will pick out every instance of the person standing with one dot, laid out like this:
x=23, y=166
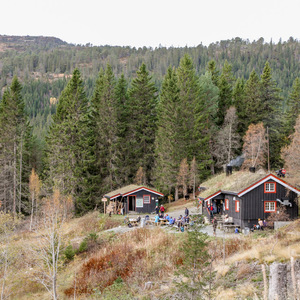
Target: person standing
x=157, y=209
x=162, y=210
x=186, y=212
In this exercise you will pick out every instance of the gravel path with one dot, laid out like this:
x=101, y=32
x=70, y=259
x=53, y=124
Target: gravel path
x=176, y=213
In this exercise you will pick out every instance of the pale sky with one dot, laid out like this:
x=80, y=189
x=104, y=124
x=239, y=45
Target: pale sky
x=140, y=23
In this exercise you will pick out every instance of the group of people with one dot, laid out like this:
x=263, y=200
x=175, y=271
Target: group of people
x=281, y=172
x=260, y=226
x=181, y=221
x=160, y=211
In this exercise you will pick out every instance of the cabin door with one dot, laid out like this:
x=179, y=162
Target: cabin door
x=131, y=203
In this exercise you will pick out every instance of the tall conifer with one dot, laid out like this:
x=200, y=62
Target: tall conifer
x=70, y=146
x=141, y=116
x=188, y=84
x=293, y=110
x=205, y=127
x=168, y=132
x=105, y=120
x=271, y=109
x=14, y=131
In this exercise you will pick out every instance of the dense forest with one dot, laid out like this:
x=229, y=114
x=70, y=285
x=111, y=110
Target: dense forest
x=90, y=119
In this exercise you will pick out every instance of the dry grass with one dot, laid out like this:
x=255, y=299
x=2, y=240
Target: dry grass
x=137, y=256
x=221, y=270
x=244, y=270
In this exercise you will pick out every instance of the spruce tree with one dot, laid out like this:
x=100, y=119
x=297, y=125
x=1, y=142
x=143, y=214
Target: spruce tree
x=141, y=116
x=238, y=98
x=70, y=146
x=252, y=99
x=271, y=109
x=293, y=110
x=189, y=94
x=105, y=128
x=225, y=85
x=168, y=132
x=121, y=94
x=205, y=127
x=214, y=72
x=14, y=132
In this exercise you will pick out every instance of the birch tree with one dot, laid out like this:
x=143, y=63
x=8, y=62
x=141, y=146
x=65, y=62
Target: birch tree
x=46, y=255
x=227, y=139
x=34, y=188
x=255, y=146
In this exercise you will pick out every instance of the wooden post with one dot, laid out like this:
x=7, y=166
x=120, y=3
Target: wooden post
x=104, y=200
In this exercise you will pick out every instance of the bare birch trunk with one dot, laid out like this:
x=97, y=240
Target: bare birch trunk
x=176, y=193
x=21, y=165
x=15, y=177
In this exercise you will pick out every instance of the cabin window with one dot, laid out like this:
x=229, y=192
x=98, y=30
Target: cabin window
x=270, y=206
x=227, y=204
x=237, y=206
x=270, y=187
x=146, y=199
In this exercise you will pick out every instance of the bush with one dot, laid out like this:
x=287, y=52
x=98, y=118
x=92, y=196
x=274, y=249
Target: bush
x=92, y=237
x=83, y=246
x=69, y=253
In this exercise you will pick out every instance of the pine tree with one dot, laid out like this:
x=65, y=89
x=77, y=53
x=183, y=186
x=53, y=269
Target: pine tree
x=141, y=116
x=70, y=146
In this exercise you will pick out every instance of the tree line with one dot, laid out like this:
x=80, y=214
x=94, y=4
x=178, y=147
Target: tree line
x=132, y=132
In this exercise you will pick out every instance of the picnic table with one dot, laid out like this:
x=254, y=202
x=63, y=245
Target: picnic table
x=163, y=222
x=230, y=227
x=131, y=222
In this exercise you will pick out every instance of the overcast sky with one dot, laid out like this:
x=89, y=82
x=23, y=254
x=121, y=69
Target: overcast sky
x=153, y=22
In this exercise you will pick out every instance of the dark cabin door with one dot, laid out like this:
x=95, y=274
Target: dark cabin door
x=131, y=203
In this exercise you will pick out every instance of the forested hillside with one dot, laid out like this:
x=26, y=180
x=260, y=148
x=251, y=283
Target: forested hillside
x=102, y=117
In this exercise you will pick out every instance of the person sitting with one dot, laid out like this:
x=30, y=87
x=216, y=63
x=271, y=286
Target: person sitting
x=187, y=219
x=236, y=230
x=167, y=217
x=171, y=221
x=179, y=221
x=261, y=224
x=156, y=219
x=226, y=219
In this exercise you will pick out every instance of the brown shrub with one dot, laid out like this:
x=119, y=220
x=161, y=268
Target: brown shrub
x=232, y=246
x=89, y=222
x=244, y=270
x=136, y=257
x=111, y=223
x=281, y=215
